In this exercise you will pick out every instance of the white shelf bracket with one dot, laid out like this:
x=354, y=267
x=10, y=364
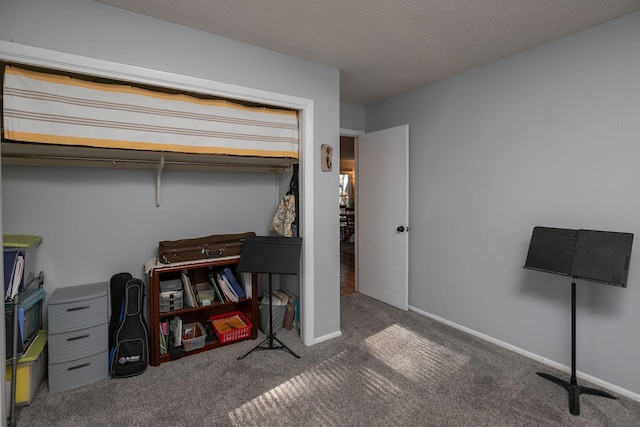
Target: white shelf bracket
x=158, y=176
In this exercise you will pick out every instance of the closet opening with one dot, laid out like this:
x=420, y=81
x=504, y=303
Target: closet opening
x=104, y=69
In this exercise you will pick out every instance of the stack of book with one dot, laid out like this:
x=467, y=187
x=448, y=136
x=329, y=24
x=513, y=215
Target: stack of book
x=285, y=298
x=170, y=333
x=205, y=287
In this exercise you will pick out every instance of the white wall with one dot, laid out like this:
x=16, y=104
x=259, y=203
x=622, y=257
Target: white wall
x=548, y=137
x=97, y=222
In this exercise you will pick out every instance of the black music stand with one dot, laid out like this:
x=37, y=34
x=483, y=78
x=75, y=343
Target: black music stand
x=598, y=256
x=272, y=255
x=573, y=389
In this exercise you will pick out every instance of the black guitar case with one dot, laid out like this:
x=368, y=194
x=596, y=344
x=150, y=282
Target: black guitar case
x=116, y=291
x=129, y=339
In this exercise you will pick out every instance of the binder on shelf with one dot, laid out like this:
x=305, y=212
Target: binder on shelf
x=13, y=272
x=29, y=315
x=235, y=286
x=28, y=245
x=215, y=286
x=16, y=280
x=10, y=259
x=226, y=287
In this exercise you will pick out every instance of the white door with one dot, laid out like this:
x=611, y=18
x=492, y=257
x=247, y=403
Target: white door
x=382, y=215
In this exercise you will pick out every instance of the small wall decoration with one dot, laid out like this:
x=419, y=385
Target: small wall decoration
x=326, y=157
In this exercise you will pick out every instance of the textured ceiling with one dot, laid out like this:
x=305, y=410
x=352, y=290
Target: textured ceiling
x=384, y=48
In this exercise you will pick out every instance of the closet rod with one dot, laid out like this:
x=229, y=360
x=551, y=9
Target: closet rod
x=137, y=163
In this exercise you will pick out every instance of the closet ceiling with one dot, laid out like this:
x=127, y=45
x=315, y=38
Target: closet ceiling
x=384, y=48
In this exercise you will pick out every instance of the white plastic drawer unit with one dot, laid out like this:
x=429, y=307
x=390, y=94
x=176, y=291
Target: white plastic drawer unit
x=78, y=343
x=78, y=306
x=76, y=373
x=78, y=336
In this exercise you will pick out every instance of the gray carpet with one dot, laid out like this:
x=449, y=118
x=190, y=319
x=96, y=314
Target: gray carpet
x=390, y=368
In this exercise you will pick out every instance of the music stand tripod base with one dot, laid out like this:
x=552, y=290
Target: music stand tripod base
x=574, y=390
x=272, y=335
x=572, y=386
x=271, y=339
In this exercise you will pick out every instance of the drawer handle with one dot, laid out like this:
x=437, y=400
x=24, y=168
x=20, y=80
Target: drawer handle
x=78, y=308
x=79, y=337
x=79, y=366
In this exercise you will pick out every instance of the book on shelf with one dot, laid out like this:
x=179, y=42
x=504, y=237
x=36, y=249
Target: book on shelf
x=281, y=296
x=235, y=286
x=164, y=327
x=247, y=282
x=163, y=342
x=188, y=295
x=290, y=311
x=215, y=286
x=225, y=286
x=196, y=279
x=277, y=298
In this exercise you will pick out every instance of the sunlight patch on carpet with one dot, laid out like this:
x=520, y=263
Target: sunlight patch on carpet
x=316, y=393
x=414, y=356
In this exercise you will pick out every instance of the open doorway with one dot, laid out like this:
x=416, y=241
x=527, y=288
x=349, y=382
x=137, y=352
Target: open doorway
x=347, y=204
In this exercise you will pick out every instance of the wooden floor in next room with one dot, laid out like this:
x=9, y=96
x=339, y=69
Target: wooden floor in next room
x=347, y=269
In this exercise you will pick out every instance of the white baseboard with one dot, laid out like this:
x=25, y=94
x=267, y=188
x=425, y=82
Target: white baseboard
x=616, y=389
x=327, y=337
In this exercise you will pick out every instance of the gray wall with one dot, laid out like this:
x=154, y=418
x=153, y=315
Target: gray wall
x=547, y=137
x=352, y=117
x=97, y=222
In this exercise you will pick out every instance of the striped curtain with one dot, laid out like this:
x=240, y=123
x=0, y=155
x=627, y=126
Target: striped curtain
x=56, y=109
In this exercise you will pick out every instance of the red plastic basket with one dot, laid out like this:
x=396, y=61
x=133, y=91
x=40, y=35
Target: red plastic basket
x=234, y=334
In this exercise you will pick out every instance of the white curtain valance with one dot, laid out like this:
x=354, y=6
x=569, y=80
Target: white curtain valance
x=57, y=109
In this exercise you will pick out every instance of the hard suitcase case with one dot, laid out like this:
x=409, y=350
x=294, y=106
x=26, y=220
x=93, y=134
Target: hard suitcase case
x=208, y=247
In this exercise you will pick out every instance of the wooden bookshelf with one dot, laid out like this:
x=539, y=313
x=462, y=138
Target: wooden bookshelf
x=200, y=314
